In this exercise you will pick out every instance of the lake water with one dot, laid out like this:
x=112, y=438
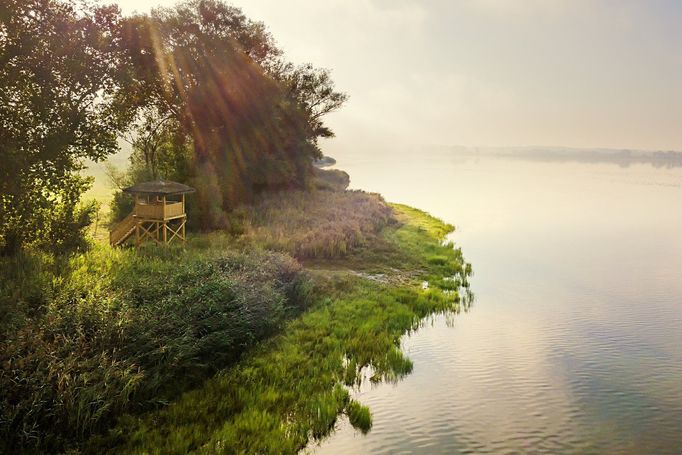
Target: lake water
x=574, y=341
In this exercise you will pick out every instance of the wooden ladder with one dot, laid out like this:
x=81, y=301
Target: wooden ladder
x=122, y=230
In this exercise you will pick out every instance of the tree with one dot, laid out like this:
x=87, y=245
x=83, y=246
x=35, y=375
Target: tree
x=59, y=77
x=148, y=135
x=313, y=89
x=214, y=81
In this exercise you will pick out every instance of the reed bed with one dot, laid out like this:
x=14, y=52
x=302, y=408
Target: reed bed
x=317, y=224
x=117, y=332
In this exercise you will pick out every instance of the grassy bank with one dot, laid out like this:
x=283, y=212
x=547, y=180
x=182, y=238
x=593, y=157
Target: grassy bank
x=227, y=343
x=293, y=387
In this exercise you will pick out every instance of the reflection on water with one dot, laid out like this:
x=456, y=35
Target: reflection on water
x=573, y=344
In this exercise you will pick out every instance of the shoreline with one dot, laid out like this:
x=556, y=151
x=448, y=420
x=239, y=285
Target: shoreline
x=355, y=325
x=281, y=384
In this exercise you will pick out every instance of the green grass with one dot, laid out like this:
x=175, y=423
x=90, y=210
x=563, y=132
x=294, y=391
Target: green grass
x=359, y=416
x=291, y=387
x=204, y=347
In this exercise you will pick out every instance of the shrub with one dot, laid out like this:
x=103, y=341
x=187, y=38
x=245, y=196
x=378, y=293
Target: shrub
x=330, y=179
x=123, y=332
x=25, y=281
x=66, y=232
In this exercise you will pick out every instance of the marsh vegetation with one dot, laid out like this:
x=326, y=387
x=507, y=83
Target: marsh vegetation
x=291, y=388
x=117, y=335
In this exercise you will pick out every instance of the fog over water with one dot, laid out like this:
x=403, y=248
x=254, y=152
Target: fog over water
x=573, y=342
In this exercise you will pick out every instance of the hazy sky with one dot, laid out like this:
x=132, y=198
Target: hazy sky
x=600, y=73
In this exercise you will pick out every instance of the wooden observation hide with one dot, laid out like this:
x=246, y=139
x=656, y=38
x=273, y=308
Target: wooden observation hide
x=159, y=213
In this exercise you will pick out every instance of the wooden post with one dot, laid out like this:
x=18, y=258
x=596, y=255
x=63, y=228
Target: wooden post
x=184, y=219
x=165, y=232
x=137, y=232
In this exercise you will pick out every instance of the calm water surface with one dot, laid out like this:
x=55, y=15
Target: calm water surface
x=574, y=341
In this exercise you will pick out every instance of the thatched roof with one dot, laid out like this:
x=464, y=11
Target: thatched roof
x=159, y=187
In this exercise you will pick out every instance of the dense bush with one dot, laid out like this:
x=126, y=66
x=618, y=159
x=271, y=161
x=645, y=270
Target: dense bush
x=120, y=207
x=121, y=332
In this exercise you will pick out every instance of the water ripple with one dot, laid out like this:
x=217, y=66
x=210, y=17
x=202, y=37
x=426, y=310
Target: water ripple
x=573, y=345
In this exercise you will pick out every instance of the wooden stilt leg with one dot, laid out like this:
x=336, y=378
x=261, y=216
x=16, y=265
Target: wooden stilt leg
x=149, y=231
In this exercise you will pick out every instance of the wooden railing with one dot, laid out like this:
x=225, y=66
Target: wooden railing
x=122, y=230
x=174, y=209
x=159, y=211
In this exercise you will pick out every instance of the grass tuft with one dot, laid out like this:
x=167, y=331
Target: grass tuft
x=360, y=416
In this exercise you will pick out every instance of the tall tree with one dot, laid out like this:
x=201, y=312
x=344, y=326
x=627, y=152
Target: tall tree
x=252, y=120
x=59, y=75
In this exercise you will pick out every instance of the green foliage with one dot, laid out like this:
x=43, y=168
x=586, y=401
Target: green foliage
x=129, y=338
x=203, y=92
x=313, y=90
x=288, y=388
x=25, y=287
x=122, y=204
x=104, y=336
x=159, y=146
x=359, y=416
x=112, y=331
x=65, y=233
x=441, y=259
x=351, y=375
x=59, y=74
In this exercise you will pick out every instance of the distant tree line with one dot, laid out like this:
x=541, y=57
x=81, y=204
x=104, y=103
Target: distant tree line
x=201, y=92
